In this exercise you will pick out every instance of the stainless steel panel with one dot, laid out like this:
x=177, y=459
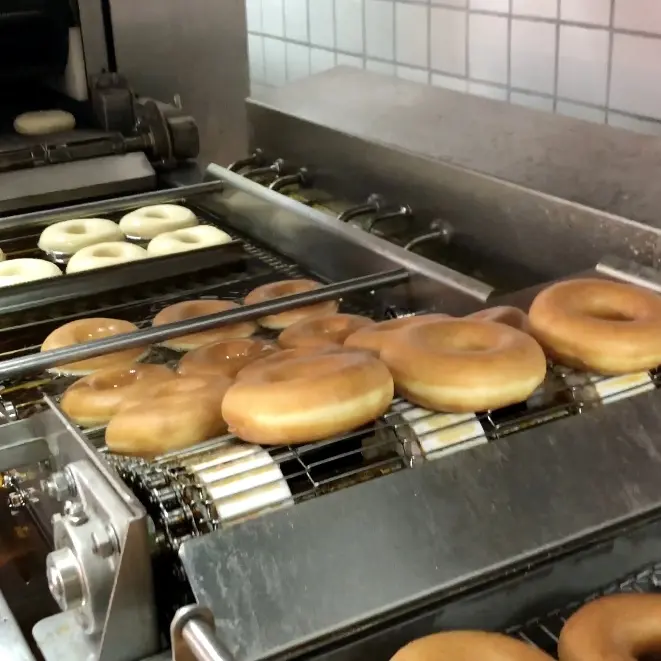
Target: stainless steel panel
x=197, y=50
x=304, y=578
x=596, y=165
x=68, y=182
x=14, y=646
x=524, y=235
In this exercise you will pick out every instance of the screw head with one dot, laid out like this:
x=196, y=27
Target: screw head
x=58, y=486
x=103, y=543
x=75, y=512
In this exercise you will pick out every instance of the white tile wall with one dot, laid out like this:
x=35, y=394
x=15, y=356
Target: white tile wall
x=598, y=60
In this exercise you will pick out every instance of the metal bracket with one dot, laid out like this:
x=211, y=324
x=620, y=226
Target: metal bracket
x=193, y=636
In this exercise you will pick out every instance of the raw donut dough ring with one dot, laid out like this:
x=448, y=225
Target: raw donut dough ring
x=322, y=331
x=464, y=365
x=17, y=271
x=308, y=398
x=283, y=320
x=226, y=357
x=44, y=122
x=620, y=627
x=148, y=222
x=201, y=308
x=95, y=398
x=189, y=238
x=599, y=325
x=102, y=255
x=469, y=646
x=87, y=330
x=69, y=236
x=173, y=416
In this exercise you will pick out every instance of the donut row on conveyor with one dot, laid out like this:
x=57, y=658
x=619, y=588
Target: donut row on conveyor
x=92, y=243
x=621, y=627
x=330, y=373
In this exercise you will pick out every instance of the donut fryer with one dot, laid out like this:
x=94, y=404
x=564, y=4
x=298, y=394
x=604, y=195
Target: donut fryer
x=346, y=548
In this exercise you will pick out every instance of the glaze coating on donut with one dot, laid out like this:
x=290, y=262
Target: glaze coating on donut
x=372, y=338
x=227, y=357
x=464, y=365
x=88, y=330
x=322, y=331
x=102, y=255
x=504, y=314
x=469, y=646
x=94, y=399
x=16, y=271
x=173, y=416
x=288, y=288
x=307, y=398
x=621, y=627
x=201, y=308
x=70, y=236
x=599, y=325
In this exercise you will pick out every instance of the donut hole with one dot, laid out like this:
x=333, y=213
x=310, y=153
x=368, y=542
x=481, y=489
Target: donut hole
x=107, y=252
x=77, y=229
x=460, y=336
x=604, y=314
x=187, y=238
x=155, y=213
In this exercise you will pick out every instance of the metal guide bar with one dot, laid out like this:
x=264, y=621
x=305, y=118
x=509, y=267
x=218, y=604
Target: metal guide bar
x=30, y=295
x=89, y=209
x=36, y=363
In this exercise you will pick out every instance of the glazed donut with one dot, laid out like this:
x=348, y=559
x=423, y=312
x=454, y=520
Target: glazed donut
x=100, y=255
x=464, y=366
x=504, y=314
x=372, y=338
x=191, y=238
x=16, y=271
x=87, y=330
x=620, y=627
x=304, y=399
x=172, y=416
x=599, y=325
x=69, y=236
x=469, y=646
x=226, y=357
x=287, y=288
x=149, y=222
x=201, y=308
x=94, y=399
x=43, y=122
x=322, y=331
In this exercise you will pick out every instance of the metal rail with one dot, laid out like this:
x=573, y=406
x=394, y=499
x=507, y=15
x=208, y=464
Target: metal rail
x=89, y=209
x=48, y=359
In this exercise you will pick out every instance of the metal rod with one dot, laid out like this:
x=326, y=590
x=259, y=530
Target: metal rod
x=274, y=169
x=256, y=158
x=203, y=643
x=89, y=209
x=302, y=178
x=403, y=211
x=42, y=361
x=373, y=204
x=423, y=238
x=408, y=260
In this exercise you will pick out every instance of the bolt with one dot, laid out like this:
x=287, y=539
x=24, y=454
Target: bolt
x=58, y=486
x=103, y=543
x=75, y=512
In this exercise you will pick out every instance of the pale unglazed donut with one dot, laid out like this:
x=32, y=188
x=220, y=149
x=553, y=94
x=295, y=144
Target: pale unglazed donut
x=101, y=255
x=43, y=122
x=189, y=238
x=69, y=236
x=16, y=271
x=149, y=222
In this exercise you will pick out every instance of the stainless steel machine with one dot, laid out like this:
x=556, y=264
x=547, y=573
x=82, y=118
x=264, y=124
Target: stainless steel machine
x=347, y=548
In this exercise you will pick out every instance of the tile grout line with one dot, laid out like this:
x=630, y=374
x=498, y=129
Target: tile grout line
x=609, y=62
x=556, y=72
